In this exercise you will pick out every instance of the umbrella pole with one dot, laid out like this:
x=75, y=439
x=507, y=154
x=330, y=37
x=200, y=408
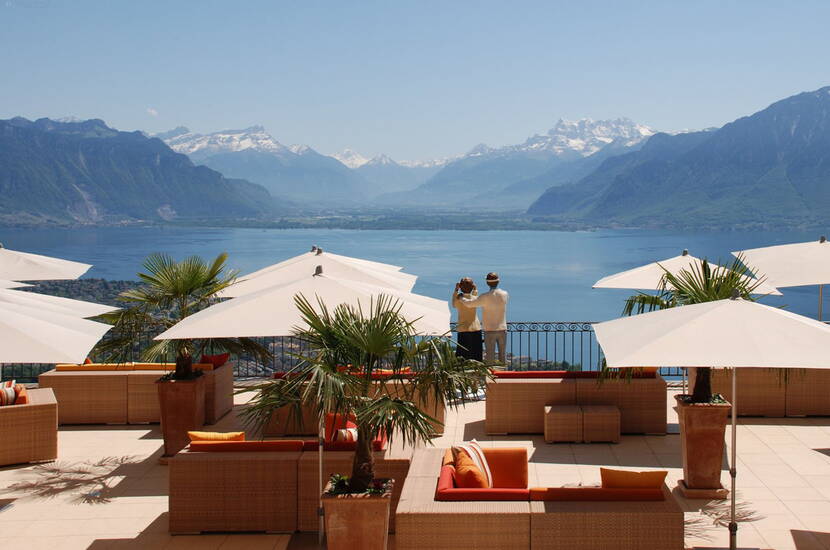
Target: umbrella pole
x=321, y=434
x=733, y=472
x=820, y=300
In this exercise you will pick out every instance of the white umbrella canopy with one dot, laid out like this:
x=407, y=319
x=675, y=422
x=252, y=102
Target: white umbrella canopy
x=316, y=251
x=12, y=284
x=724, y=333
x=299, y=267
x=32, y=335
x=55, y=304
x=798, y=264
x=731, y=333
x=24, y=266
x=273, y=312
x=649, y=276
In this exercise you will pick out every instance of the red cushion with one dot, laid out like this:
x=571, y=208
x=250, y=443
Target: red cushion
x=574, y=494
x=284, y=446
x=336, y=422
x=216, y=360
x=446, y=490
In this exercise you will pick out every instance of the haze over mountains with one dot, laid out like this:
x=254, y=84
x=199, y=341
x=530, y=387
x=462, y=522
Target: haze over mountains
x=771, y=168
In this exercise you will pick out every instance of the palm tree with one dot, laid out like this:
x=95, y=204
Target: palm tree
x=414, y=367
x=701, y=283
x=171, y=291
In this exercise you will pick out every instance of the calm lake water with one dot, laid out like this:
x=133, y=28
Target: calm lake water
x=548, y=274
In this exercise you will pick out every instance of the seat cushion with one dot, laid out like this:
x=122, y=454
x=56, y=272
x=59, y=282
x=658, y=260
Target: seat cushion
x=216, y=436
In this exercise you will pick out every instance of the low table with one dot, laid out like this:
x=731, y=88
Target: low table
x=600, y=423
x=563, y=423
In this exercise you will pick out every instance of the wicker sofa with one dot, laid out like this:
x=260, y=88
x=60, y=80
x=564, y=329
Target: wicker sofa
x=432, y=513
x=516, y=400
x=285, y=421
x=29, y=432
x=270, y=486
x=774, y=392
x=126, y=393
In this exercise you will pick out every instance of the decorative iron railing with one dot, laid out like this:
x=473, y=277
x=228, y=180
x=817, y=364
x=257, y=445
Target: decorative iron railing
x=531, y=345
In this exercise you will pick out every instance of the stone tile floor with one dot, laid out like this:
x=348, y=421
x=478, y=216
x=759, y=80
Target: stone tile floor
x=107, y=490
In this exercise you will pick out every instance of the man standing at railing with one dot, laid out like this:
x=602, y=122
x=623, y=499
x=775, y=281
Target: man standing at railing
x=468, y=327
x=493, y=306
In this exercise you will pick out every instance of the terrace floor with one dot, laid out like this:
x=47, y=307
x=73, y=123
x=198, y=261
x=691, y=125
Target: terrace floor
x=107, y=490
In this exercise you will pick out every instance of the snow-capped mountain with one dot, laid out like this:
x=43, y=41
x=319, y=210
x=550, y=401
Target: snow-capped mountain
x=512, y=176
x=296, y=172
x=199, y=146
x=351, y=158
x=582, y=137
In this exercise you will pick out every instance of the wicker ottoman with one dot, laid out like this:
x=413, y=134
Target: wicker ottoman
x=563, y=423
x=600, y=423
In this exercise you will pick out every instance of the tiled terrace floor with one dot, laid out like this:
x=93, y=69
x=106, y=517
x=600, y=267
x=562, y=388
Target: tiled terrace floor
x=107, y=490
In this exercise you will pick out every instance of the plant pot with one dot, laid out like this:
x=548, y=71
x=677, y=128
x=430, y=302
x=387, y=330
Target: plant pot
x=357, y=520
x=182, y=404
x=702, y=430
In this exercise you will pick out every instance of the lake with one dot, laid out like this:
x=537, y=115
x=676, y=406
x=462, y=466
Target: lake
x=548, y=274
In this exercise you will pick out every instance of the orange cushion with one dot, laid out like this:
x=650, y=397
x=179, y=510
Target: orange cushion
x=583, y=494
x=624, y=479
x=216, y=436
x=243, y=446
x=336, y=422
x=508, y=466
x=215, y=360
x=467, y=474
x=22, y=395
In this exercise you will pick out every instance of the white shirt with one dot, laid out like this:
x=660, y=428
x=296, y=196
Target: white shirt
x=493, y=306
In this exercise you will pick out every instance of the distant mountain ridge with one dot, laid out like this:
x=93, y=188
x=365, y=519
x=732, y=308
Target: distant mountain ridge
x=772, y=167
x=503, y=177
x=87, y=172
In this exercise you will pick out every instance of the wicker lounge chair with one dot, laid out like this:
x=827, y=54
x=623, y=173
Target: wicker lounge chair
x=29, y=433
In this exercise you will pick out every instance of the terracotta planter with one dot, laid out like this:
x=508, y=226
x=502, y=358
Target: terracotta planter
x=357, y=521
x=702, y=430
x=182, y=404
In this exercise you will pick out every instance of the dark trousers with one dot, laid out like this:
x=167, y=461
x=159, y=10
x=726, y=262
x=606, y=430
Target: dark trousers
x=469, y=345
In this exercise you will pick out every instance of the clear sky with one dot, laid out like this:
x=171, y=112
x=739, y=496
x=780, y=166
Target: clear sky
x=415, y=80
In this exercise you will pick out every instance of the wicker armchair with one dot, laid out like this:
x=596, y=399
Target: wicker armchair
x=29, y=433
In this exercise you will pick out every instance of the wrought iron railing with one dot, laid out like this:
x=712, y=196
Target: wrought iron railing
x=531, y=345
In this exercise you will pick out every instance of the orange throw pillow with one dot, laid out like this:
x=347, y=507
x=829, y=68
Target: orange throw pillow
x=22, y=395
x=467, y=474
x=624, y=479
x=216, y=436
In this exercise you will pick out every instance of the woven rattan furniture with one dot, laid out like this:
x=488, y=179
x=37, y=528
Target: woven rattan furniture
x=516, y=405
x=308, y=494
x=423, y=522
x=774, y=392
x=286, y=422
x=29, y=433
x=569, y=525
x=600, y=423
x=233, y=491
x=563, y=423
x=127, y=394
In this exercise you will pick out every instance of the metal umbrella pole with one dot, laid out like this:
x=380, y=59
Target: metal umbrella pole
x=733, y=472
x=321, y=436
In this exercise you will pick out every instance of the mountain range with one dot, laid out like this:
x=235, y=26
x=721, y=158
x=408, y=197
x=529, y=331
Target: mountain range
x=511, y=177
x=85, y=171
x=772, y=167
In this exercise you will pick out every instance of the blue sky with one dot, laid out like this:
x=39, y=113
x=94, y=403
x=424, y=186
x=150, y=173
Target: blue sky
x=414, y=80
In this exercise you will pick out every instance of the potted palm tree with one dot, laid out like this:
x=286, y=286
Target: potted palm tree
x=170, y=291
x=702, y=415
x=373, y=367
